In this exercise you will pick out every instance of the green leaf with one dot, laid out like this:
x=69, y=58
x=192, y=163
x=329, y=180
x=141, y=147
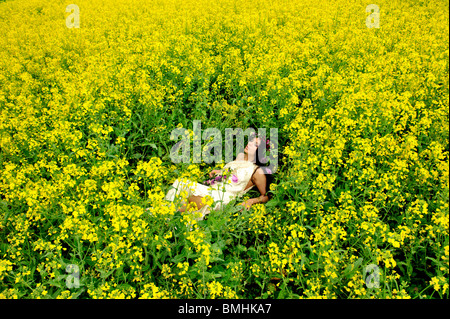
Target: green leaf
x=57, y=283
x=357, y=263
x=79, y=292
x=282, y=294
x=153, y=145
x=273, y=203
x=212, y=276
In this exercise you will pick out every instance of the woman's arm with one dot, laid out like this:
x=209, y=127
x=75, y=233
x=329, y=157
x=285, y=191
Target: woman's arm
x=259, y=178
x=215, y=171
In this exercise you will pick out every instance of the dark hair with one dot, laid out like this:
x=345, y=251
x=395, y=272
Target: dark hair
x=269, y=176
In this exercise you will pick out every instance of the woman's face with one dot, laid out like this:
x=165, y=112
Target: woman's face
x=252, y=146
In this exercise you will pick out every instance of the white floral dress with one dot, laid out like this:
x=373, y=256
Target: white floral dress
x=221, y=192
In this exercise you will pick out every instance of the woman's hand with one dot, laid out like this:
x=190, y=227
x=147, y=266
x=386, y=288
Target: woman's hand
x=248, y=203
x=214, y=171
x=258, y=200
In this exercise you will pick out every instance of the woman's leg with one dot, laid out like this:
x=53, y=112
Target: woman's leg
x=177, y=188
x=193, y=199
x=197, y=200
x=182, y=208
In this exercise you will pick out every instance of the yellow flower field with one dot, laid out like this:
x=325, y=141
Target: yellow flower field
x=360, y=205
